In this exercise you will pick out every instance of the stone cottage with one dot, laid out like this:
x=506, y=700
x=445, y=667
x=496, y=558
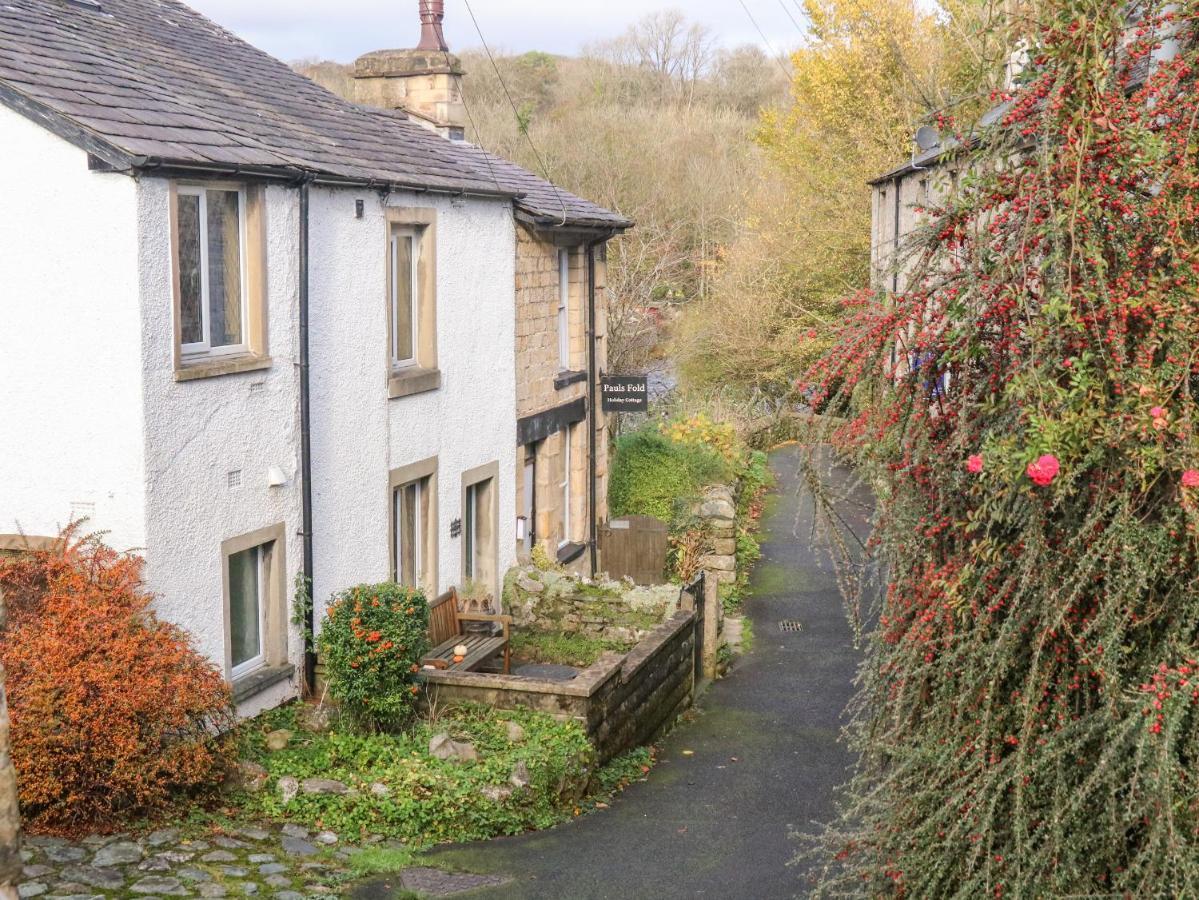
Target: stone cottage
x=279, y=338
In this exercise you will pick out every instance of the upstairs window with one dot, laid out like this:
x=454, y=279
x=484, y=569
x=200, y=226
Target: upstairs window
x=212, y=288
x=405, y=290
x=564, y=309
x=412, y=301
x=219, y=279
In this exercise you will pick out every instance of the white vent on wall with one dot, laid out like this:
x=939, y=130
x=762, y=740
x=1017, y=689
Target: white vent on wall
x=257, y=387
x=234, y=479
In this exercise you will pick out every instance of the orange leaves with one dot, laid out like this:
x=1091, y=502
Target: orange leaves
x=113, y=712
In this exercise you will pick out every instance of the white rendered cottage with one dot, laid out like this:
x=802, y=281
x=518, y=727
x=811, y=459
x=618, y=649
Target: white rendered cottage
x=247, y=328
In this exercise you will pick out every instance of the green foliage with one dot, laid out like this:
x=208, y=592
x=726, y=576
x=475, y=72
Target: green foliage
x=379, y=861
x=372, y=641
x=1028, y=719
x=623, y=770
x=572, y=649
x=428, y=800
x=652, y=475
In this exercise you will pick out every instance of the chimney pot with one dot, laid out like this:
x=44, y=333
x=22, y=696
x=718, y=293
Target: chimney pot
x=432, y=14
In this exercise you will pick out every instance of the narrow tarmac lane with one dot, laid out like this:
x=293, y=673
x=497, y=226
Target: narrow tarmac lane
x=722, y=821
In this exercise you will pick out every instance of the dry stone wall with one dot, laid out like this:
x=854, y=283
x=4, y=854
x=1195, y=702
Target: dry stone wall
x=552, y=602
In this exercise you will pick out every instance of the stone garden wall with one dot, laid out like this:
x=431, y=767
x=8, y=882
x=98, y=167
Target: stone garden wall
x=552, y=602
x=717, y=514
x=622, y=701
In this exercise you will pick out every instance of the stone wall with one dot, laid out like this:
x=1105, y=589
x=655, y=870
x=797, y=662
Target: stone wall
x=555, y=602
x=621, y=701
x=541, y=387
x=717, y=510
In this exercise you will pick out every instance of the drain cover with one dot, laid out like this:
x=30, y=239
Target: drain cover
x=790, y=625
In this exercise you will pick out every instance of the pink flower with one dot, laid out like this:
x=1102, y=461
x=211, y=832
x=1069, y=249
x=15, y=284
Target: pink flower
x=1158, y=412
x=1044, y=470
x=974, y=464
x=1190, y=478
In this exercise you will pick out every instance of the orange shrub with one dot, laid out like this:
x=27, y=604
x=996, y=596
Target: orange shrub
x=113, y=712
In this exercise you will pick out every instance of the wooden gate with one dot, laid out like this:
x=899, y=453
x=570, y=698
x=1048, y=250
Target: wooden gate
x=635, y=547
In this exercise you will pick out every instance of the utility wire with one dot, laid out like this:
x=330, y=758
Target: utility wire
x=470, y=116
x=765, y=40
x=516, y=112
x=794, y=21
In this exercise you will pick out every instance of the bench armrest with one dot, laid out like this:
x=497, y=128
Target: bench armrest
x=505, y=621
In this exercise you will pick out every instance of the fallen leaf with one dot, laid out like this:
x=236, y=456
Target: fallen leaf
x=601, y=806
x=688, y=753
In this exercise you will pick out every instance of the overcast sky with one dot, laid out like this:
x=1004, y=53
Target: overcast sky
x=343, y=29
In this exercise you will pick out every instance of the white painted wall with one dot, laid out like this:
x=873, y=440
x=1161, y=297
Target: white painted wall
x=70, y=372
x=197, y=432
x=359, y=435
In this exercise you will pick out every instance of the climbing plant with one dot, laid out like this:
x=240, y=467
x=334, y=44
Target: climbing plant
x=1028, y=718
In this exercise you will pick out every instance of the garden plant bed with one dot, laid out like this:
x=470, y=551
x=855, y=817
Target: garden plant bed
x=620, y=702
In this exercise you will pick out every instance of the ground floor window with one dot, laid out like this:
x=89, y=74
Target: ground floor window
x=480, y=530
x=412, y=498
x=566, y=484
x=247, y=608
x=255, y=603
x=411, y=526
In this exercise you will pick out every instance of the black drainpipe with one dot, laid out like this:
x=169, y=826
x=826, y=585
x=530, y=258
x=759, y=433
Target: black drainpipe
x=306, y=443
x=592, y=384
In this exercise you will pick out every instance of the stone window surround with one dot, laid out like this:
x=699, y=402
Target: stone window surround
x=257, y=355
x=425, y=375
x=274, y=637
x=476, y=476
x=426, y=468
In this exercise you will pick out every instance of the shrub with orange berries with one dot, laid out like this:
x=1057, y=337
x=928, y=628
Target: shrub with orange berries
x=372, y=641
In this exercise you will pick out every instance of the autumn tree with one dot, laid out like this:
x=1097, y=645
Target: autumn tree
x=869, y=74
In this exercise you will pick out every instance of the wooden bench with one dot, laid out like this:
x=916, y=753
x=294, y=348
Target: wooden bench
x=446, y=632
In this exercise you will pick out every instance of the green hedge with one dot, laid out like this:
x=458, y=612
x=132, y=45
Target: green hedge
x=652, y=475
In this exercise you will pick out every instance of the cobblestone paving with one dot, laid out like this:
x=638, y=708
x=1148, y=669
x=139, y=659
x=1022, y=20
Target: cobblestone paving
x=286, y=863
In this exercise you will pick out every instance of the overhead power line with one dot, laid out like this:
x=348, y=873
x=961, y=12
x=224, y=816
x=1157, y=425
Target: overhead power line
x=765, y=40
x=516, y=112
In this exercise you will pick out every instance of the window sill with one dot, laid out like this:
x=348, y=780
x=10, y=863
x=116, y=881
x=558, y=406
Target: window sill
x=564, y=380
x=215, y=367
x=259, y=680
x=568, y=553
x=406, y=382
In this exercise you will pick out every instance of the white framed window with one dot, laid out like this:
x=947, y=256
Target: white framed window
x=247, y=609
x=405, y=297
x=564, y=309
x=567, y=493
x=410, y=508
x=213, y=291
x=480, y=528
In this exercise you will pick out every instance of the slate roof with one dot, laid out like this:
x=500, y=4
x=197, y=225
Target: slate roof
x=150, y=84
x=546, y=203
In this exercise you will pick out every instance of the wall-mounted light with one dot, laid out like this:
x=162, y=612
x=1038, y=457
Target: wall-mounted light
x=275, y=477
x=359, y=209
x=522, y=528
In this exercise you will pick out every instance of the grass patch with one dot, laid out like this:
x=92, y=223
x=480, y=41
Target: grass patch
x=399, y=790
x=576, y=650
x=379, y=861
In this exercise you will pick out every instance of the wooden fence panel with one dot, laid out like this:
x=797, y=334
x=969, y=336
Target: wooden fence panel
x=635, y=547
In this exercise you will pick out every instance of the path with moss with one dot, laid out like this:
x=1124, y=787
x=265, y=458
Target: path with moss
x=756, y=766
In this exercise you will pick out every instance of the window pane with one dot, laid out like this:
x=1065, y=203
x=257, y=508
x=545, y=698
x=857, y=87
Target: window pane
x=403, y=312
x=482, y=535
x=245, y=613
x=468, y=530
x=224, y=268
x=191, y=298
x=408, y=532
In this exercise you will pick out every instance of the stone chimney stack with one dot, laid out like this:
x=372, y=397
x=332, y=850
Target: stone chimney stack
x=425, y=82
